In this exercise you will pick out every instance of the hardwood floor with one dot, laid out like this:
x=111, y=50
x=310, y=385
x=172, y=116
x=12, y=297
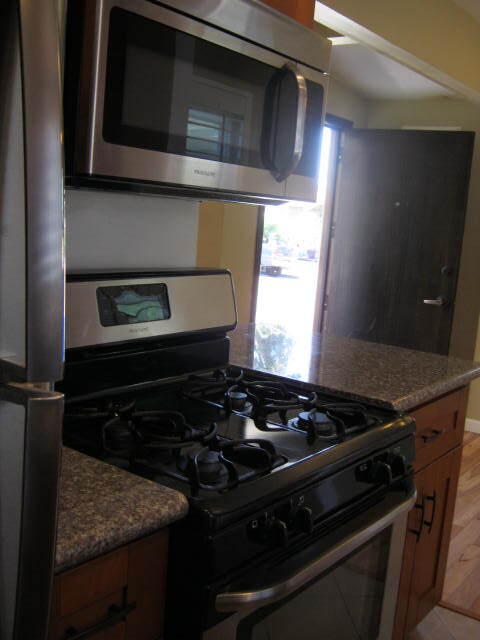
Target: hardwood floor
x=462, y=581
x=443, y=624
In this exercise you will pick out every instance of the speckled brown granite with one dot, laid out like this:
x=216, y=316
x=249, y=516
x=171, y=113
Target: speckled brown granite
x=379, y=374
x=102, y=507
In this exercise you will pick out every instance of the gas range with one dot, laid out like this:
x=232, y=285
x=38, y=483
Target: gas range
x=277, y=475
x=229, y=437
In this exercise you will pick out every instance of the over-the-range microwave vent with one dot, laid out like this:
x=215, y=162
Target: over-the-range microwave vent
x=208, y=106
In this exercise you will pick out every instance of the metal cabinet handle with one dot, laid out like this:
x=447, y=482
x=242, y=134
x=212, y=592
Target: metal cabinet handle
x=115, y=614
x=421, y=506
x=433, y=436
x=248, y=600
x=439, y=301
x=433, y=500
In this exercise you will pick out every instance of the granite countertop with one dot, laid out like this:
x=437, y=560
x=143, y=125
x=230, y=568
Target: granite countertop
x=382, y=375
x=102, y=507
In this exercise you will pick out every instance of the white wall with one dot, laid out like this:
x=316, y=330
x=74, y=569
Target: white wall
x=345, y=102
x=120, y=230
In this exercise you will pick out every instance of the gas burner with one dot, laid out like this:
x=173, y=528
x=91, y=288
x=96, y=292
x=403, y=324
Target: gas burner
x=229, y=390
x=129, y=432
x=322, y=423
x=237, y=400
x=219, y=378
x=270, y=396
x=170, y=430
x=332, y=421
x=221, y=389
x=224, y=464
x=119, y=436
x=206, y=467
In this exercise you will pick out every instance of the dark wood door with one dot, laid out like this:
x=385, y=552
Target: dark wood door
x=398, y=226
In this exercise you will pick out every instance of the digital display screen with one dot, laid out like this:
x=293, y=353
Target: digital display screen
x=131, y=304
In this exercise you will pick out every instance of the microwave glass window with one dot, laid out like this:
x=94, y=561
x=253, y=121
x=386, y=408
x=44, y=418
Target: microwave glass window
x=169, y=91
x=172, y=92
x=215, y=136
x=131, y=304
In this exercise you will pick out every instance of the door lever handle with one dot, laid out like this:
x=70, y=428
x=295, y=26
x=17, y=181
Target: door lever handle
x=439, y=301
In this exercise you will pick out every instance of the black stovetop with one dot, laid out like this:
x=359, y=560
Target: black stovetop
x=225, y=438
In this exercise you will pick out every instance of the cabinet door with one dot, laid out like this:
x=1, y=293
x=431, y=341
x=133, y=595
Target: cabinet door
x=428, y=537
x=114, y=633
x=301, y=10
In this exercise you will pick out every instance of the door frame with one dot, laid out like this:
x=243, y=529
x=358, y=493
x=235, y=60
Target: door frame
x=337, y=125
x=257, y=258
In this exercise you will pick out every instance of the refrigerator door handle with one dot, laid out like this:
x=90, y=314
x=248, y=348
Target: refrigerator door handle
x=40, y=48
x=30, y=456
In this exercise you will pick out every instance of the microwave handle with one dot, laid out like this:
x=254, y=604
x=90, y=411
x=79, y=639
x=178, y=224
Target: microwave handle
x=299, y=124
x=270, y=137
x=249, y=600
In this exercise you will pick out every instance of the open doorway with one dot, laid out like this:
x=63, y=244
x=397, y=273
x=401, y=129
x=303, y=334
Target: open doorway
x=292, y=246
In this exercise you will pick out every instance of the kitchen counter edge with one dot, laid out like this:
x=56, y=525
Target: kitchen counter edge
x=102, y=507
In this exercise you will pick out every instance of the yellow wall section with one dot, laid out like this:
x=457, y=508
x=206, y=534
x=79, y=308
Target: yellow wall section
x=226, y=238
x=437, y=31
x=210, y=234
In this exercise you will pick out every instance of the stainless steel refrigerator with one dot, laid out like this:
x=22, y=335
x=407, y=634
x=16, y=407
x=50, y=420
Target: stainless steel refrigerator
x=31, y=310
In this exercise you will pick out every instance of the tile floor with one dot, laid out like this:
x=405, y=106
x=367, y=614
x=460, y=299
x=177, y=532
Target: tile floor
x=443, y=624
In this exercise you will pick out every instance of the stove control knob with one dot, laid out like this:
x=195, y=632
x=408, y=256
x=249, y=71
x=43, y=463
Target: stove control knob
x=398, y=463
x=381, y=472
x=375, y=472
x=303, y=520
x=277, y=533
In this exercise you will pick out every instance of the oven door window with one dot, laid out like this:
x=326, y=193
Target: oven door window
x=345, y=604
x=172, y=92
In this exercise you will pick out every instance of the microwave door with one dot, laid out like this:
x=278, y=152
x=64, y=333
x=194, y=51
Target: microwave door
x=302, y=183
x=174, y=102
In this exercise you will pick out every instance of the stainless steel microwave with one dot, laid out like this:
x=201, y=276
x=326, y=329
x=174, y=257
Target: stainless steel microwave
x=207, y=98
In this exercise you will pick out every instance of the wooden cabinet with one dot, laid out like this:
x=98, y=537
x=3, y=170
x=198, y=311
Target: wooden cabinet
x=430, y=525
x=440, y=427
x=301, y=10
x=118, y=596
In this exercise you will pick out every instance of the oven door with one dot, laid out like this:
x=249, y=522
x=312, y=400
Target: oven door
x=167, y=99
x=343, y=586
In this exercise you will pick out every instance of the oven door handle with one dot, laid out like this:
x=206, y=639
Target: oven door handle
x=237, y=601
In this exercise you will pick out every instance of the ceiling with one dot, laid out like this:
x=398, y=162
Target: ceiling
x=471, y=6
x=375, y=76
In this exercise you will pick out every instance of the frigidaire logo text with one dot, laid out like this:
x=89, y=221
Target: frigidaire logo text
x=202, y=172
x=139, y=330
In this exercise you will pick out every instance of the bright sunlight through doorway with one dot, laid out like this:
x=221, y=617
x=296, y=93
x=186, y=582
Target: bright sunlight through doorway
x=290, y=259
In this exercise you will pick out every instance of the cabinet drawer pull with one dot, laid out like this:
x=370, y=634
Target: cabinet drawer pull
x=433, y=500
x=421, y=506
x=115, y=614
x=433, y=436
